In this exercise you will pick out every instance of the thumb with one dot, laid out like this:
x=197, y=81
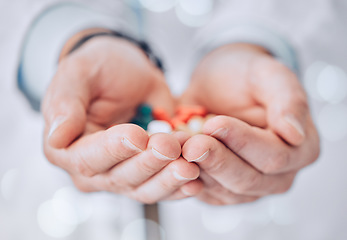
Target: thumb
x=64, y=106
x=277, y=88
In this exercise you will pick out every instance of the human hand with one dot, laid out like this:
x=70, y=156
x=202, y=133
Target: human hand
x=241, y=161
x=100, y=85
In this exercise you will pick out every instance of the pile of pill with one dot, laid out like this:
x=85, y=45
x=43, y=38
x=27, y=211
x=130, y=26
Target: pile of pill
x=187, y=118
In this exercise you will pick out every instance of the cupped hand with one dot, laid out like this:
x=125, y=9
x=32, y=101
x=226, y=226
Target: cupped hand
x=94, y=93
x=267, y=134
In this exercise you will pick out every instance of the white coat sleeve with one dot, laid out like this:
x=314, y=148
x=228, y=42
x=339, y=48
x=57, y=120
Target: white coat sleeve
x=267, y=23
x=45, y=39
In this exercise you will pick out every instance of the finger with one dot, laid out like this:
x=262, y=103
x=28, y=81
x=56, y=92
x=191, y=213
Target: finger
x=181, y=136
x=213, y=199
x=262, y=148
x=65, y=103
x=277, y=88
x=172, y=177
x=230, y=171
x=98, y=152
x=178, y=180
x=189, y=189
x=255, y=115
x=215, y=193
x=162, y=148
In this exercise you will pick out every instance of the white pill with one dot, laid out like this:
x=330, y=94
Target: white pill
x=158, y=126
x=195, y=125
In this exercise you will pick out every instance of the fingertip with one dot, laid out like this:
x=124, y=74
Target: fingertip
x=65, y=118
x=290, y=129
x=164, y=146
x=63, y=131
x=197, y=148
x=132, y=136
x=216, y=124
x=181, y=136
x=192, y=188
x=184, y=171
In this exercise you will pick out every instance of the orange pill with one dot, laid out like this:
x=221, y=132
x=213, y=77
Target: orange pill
x=160, y=114
x=191, y=109
x=176, y=121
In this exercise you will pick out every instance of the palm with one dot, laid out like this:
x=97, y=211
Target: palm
x=119, y=83
x=221, y=83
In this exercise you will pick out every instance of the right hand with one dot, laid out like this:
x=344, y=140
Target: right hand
x=100, y=85
x=267, y=135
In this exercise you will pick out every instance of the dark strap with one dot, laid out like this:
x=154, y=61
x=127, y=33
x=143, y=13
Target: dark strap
x=141, y=44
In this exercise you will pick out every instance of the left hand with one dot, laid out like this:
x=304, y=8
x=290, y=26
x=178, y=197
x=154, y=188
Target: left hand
x=267, y=135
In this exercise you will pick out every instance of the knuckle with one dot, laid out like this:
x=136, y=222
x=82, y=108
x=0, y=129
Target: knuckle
x=81, y=167
x=147, y=167
x=276, y=163
x=118, y=185
x=114, y=185
x=167, y=186
x=215, y=166
x=241, y=142
x=247, y=185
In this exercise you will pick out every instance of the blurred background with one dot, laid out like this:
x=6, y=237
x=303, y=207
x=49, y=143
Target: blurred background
x=38, y=200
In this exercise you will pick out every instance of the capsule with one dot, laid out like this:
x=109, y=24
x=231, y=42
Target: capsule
x=159, y=126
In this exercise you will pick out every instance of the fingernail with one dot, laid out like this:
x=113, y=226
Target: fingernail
x=130, y=145
x=56, y=123
x=295, y=124
x=187, y=193
x=201, y=158
x=161, y=156
x=181, y=178
x=220, y=133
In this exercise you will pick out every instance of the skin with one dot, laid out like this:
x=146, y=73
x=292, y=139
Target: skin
x=92, y=96
x=265, y=134
x=250, y=152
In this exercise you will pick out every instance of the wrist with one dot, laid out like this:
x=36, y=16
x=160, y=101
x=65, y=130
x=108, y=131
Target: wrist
x=85, y=36
x=241, y=48
x=76, y=38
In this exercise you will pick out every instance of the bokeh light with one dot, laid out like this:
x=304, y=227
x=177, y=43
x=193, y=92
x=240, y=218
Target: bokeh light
x=332, y=122
x=194, y=13
x=56, y=218
x=9, y=183
x=81, y=204
x=136, y=230
x=326, y=82
x=310, y=78
x=220, y=220
x=158, y=5
x=332, y=84
x=256, y=212
x=282, y=212
x=196, y=7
